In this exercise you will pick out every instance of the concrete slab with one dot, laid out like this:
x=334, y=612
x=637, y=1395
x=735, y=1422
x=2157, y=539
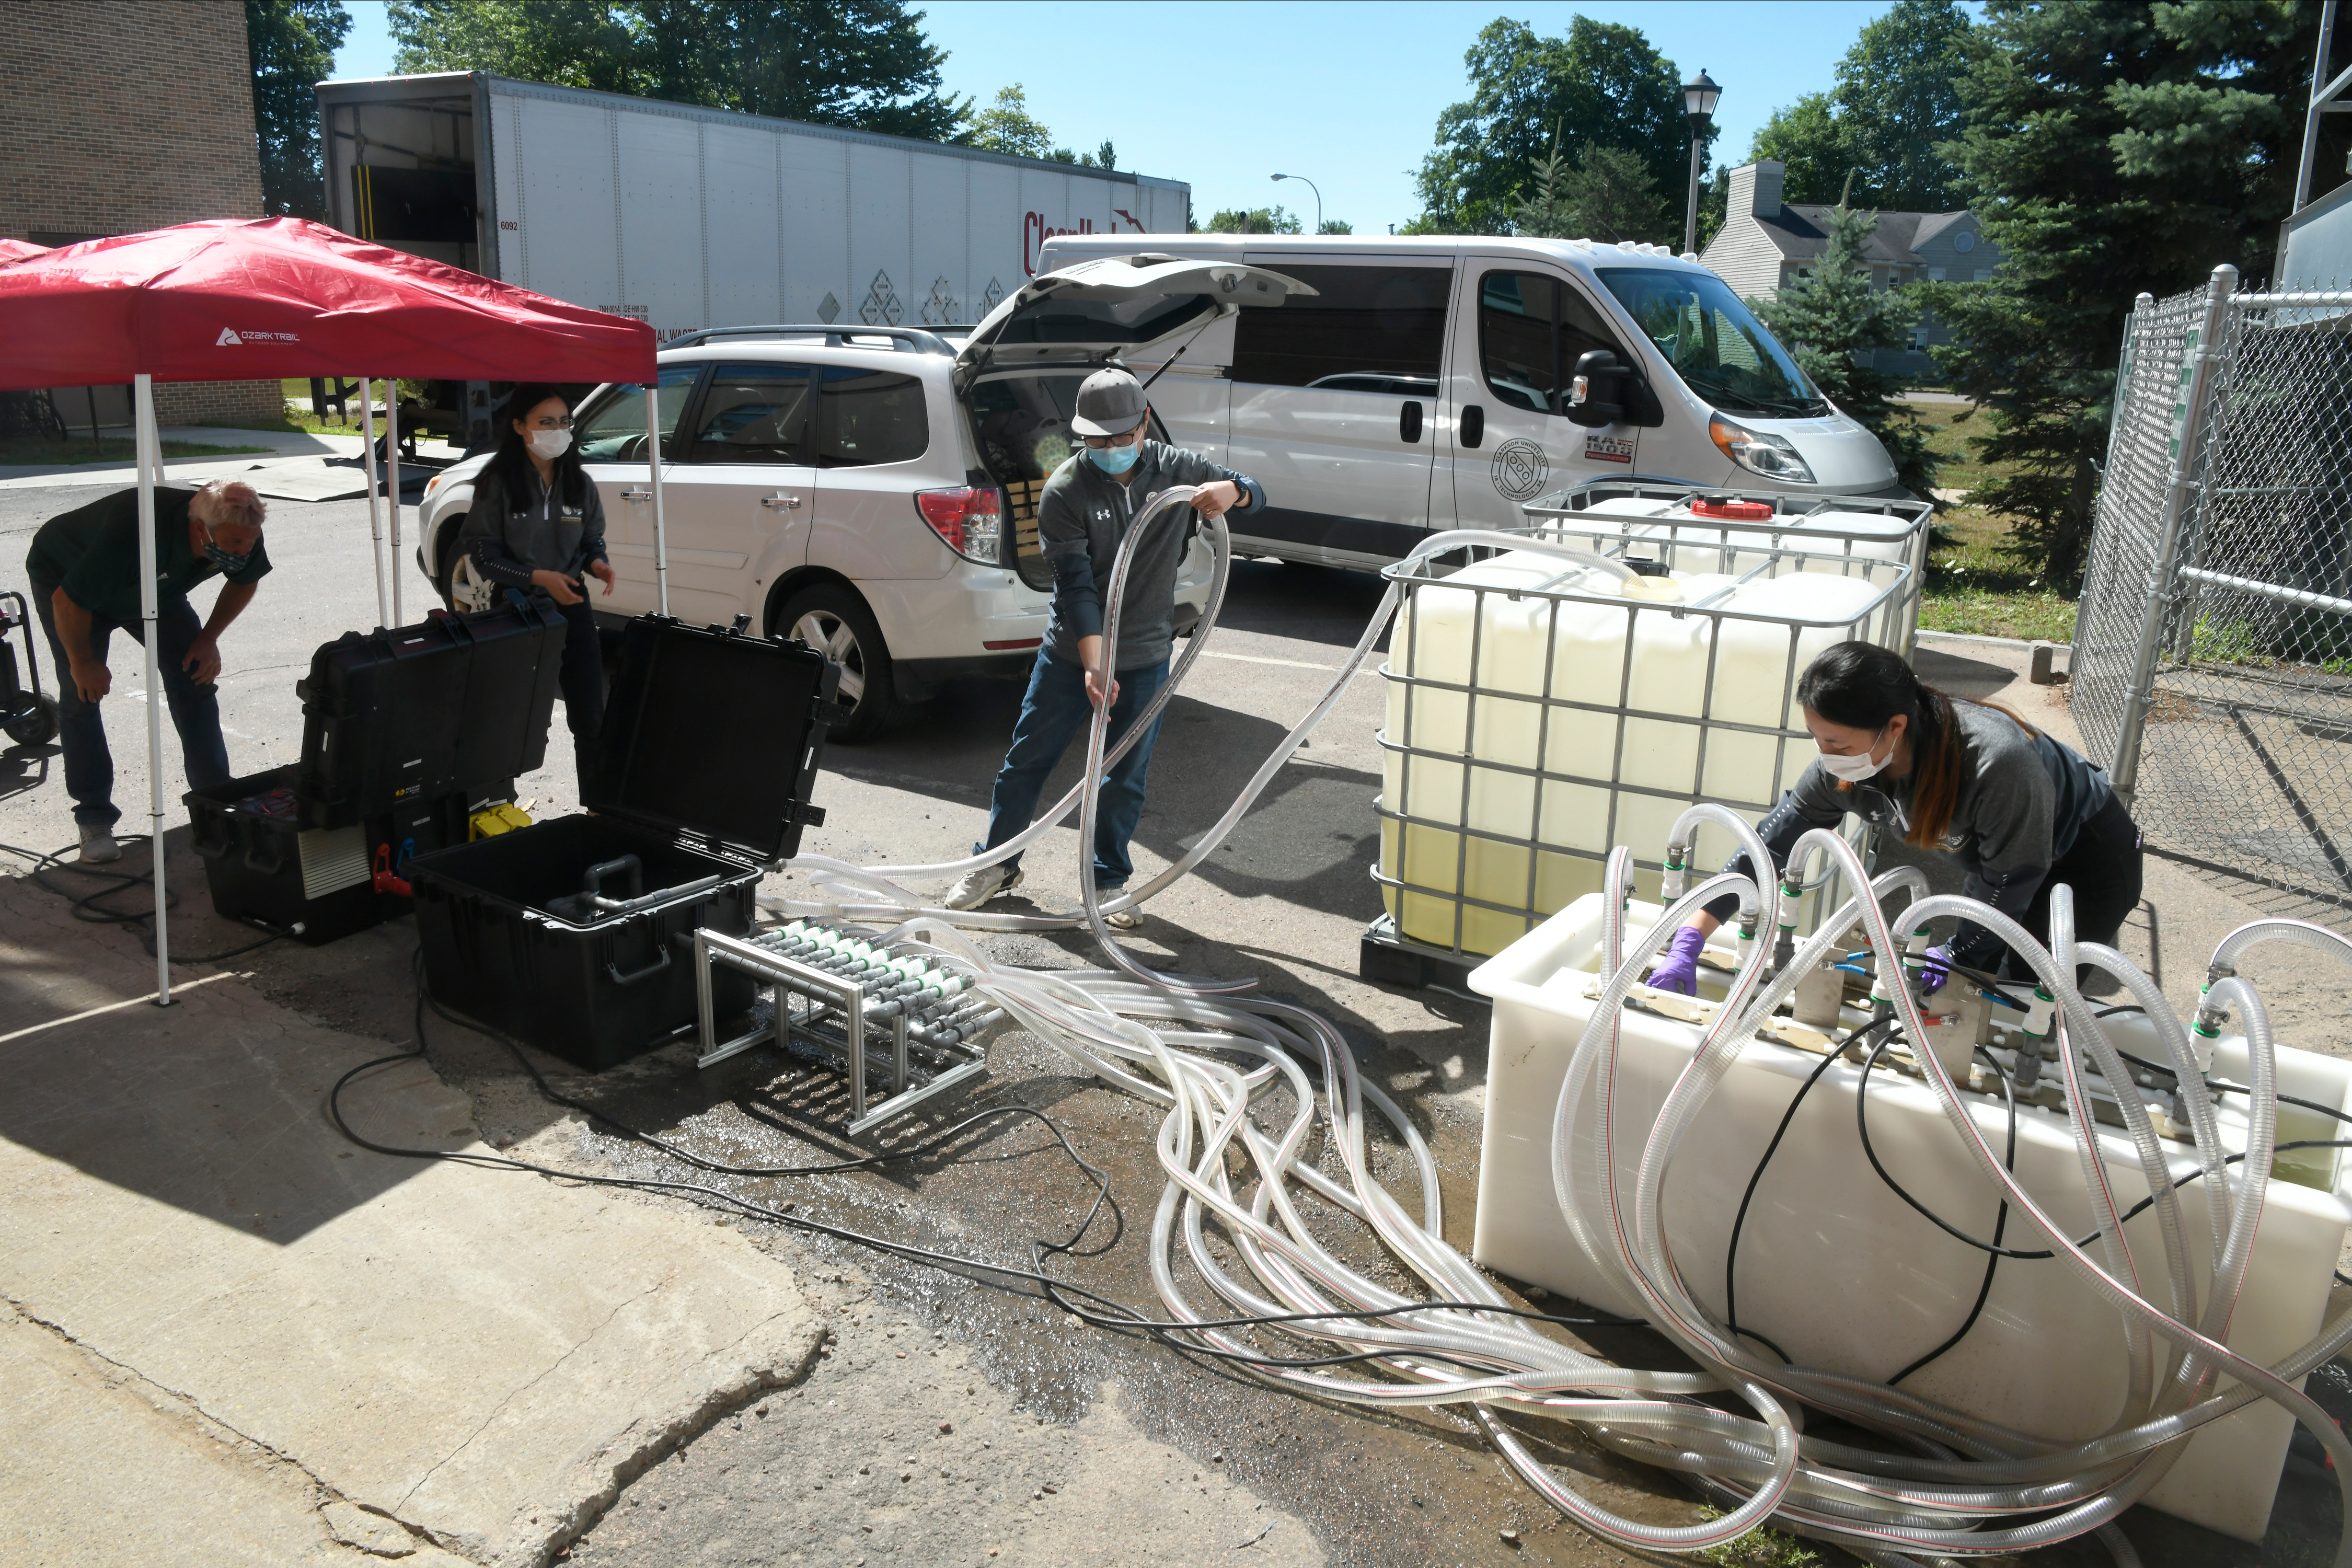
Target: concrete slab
x=483, y=1357
x=106, y=1469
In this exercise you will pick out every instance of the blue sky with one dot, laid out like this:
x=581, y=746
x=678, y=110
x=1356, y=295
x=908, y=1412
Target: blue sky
x=1223, y=93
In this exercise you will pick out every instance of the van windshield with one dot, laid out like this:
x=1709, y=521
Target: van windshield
x=1714, y=344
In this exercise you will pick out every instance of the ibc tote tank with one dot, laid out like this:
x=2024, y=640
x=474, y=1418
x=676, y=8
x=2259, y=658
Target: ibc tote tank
x=1541, y=711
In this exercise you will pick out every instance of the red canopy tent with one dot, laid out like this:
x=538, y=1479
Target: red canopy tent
x=17, y=249
x=236, y=300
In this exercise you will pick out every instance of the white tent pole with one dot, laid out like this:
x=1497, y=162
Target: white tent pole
x=375, y=512
x=392, y=485
x=654, y=461
x=150, y=465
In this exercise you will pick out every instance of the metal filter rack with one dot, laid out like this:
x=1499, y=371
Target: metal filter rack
x=846, y=1005
x=1793, y=539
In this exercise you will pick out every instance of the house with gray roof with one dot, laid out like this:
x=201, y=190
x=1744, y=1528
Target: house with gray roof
x=1765, y=243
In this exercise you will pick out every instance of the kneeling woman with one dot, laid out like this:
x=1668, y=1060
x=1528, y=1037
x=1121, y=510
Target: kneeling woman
x=535, y=523
x=2019, y=812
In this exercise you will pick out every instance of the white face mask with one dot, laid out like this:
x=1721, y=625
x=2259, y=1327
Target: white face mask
x=550, y=444
x=1863, y=765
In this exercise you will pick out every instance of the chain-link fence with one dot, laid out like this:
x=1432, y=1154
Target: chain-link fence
x=2212, y=668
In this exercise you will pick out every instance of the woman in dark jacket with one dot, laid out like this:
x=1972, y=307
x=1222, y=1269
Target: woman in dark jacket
x=2021, y=812
x=536, y=524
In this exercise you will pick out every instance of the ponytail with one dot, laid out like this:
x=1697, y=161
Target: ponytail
x=1865, y=686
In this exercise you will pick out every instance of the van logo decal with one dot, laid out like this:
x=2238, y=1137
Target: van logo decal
x=1520, y=469
x=1599, y=449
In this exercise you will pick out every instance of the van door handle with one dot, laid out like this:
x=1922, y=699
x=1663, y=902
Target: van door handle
x=1409, y=422
x=787, y=502
x=636, y=495
x=1473, y=428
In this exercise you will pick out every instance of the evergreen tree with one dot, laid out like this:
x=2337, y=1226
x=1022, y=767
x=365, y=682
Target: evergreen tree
x=1608, y=196
x=1830, y=318
x=2112, y=148
x=292, y=44
x=1603, y=85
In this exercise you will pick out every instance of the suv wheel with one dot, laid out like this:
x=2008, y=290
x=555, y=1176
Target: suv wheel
x=463, y=589
x=836, y=622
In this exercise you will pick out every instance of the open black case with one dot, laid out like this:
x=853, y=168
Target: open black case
x=406, y=732
x=574, y=935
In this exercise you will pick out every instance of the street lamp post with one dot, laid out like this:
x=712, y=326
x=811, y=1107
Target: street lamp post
x=1700, y=95
x=1318, y=196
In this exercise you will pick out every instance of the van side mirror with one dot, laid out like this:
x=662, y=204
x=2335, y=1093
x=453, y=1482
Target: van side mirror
x=1596, y=395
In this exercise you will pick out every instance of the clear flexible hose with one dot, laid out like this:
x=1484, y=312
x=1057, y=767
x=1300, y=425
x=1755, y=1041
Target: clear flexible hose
x=1964, y=1485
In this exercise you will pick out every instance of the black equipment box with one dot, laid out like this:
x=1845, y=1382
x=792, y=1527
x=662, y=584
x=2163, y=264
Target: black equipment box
x=263, y=865
x=453, y=704
x=575, y=935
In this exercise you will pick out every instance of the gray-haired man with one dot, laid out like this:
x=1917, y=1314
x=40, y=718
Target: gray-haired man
x=1083, y=516
x=84, y=564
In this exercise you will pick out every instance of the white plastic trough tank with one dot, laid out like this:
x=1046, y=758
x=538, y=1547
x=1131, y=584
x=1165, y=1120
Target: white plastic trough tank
x=1542, y=709
x=1839, y=1273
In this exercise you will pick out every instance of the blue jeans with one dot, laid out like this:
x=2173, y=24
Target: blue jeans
x=1054, y=712
x=195, y=710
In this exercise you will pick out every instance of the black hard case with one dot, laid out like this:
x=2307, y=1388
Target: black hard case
x=275, y=870
x=454, y=703
x=710, y=749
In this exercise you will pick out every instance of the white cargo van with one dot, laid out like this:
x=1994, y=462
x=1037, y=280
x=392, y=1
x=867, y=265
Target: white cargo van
x=1434, y=383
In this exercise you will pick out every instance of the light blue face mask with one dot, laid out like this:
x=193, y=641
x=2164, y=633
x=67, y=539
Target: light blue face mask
x=1114, y=460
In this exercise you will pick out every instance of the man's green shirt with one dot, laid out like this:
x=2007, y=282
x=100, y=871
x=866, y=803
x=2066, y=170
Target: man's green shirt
x=92, y=552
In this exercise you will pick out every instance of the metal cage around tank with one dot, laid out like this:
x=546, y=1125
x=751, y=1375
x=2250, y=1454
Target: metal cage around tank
x=1445, y=909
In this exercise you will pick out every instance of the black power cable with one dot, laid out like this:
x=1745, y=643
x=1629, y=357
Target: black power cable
x=86, y=908
x=1051, y=1287
x=1740, y=1220
x=1999, y=1225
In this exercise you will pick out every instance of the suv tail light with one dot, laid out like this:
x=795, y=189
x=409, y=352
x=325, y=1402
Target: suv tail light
x=969, y=521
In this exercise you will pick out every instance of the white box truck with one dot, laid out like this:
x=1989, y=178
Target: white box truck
x=687, y=218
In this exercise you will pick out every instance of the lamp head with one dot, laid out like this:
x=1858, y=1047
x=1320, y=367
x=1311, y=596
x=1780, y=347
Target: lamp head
x=1699, y=96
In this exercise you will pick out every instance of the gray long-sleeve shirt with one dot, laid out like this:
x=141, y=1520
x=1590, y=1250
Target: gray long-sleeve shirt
x=1083, y=516
x=509, y=538
x=2024, y=799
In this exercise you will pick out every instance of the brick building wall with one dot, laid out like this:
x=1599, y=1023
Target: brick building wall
x=125, y=115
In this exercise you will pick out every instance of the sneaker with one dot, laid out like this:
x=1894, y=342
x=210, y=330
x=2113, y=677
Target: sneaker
x=1123, y=919
x=97, y=844
x=976, y=888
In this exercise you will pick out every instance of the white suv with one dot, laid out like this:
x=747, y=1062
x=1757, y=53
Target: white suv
x=870, y=490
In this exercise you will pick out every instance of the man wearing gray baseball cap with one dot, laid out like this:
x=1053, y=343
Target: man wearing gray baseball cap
x=1083, y=516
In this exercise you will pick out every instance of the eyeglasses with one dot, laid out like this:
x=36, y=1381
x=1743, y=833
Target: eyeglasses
x=1102, y=443
x=543, y=422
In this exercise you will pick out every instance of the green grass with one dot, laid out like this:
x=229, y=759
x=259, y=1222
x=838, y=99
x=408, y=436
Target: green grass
x=109, y=449
x=1760, y=1549
x=1952, y=424
x=1974, y=588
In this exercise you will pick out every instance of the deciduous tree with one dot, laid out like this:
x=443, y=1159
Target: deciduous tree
x=863, y=63
x=1601, y=85
x=293, y=45
x=1895, y=105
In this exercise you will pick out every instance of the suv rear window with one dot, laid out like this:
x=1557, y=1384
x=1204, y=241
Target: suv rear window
x=868, y=417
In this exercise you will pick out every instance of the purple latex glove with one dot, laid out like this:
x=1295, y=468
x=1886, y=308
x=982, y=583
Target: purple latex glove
x=1678, y=970
x=1935, y=968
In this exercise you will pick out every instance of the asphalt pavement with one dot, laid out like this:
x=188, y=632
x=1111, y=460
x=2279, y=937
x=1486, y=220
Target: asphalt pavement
x=949, y=1417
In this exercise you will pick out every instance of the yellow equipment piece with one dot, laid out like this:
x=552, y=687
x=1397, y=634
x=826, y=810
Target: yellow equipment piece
x=503, y=817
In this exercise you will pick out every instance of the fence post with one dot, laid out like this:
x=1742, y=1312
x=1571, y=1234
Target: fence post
x=2188, y=426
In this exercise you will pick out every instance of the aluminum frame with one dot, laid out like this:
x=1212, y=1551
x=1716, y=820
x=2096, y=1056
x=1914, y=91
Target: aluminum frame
x=827, y=992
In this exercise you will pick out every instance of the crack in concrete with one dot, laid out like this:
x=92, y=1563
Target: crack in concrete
x=174, y=1405
x=545, y=1372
